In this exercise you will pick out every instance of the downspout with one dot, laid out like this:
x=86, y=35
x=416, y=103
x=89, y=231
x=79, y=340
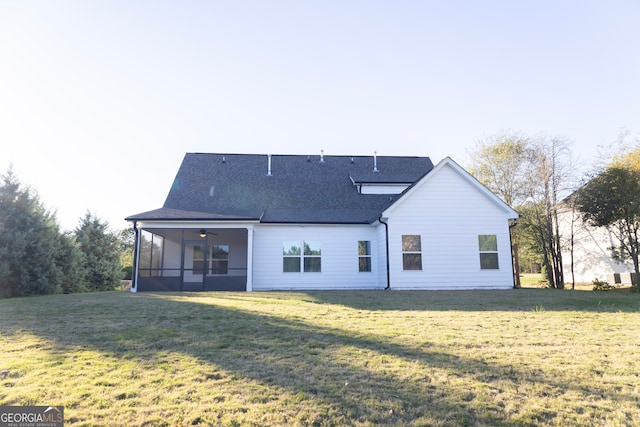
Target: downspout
x=136, y=250
x=515, y=262
x=386, y=239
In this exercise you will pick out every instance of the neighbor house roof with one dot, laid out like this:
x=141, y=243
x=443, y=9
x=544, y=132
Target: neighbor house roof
x=284, y=188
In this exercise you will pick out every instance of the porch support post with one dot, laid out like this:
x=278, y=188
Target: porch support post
x=249, y=259
x=182, y=261
x=136, y=257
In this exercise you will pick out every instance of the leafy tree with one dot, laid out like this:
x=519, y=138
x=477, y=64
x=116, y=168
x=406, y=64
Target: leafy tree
x=126, y=239
x=503, y=163
x=528, y=241
x=612, y=200
x=35, y=257
x=101, y=253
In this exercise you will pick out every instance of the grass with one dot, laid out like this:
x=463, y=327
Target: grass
x=538, y=281
x=533, y=281
x=525, y=357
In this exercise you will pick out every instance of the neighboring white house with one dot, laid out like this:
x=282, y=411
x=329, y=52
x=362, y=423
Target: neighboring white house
x=262, y=222
x=591, y=255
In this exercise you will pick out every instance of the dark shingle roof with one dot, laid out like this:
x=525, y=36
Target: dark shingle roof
x=301, y=189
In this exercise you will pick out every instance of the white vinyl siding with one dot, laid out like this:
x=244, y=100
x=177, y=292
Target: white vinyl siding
x=591, y=253
x=383, y=188
x=449, y=214
x=338, y=252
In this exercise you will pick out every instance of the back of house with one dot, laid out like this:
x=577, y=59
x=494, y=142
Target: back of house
x=248, y=222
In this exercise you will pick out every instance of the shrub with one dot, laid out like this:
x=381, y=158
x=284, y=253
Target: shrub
x=600, y=285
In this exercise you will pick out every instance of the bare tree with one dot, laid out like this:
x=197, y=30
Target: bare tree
x=531, y=175
x=551, y=179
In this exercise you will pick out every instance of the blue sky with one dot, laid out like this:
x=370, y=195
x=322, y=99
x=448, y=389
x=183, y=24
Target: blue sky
x=99, y=101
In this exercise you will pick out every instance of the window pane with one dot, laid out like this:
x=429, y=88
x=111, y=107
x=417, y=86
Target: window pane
x=291, y=247
x=156, y=252
x=290, y=265
x=198, y=252
x=412, y=261
x=219, y=267
x=411, y=243
x=488, y=242
x=198, y=266
x=220, y=252
x=364, y=264
x=489, y=261
x=144, y=260
x=312, y=248
x=364, y=247
x=198, y=260
x=312, y=265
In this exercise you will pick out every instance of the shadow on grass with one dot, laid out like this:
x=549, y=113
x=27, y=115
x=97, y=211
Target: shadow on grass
x=347, y=376
x=518, y=300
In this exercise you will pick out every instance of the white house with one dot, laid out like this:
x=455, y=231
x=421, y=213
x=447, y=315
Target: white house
x=272, y=222
x=587, y=254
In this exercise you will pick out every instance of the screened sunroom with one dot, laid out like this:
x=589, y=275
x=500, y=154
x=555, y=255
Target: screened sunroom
x=192, y=259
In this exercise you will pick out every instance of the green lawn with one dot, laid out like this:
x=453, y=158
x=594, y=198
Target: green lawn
x=525, y=357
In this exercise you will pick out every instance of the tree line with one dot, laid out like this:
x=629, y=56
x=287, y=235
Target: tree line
x=37, y=257
x=538, y=177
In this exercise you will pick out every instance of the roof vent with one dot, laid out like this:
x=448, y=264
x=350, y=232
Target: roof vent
x=352, y=162
x=308, y=159
x=269, y=165
x=321, y=156
x=224, y=159
x=375, y=161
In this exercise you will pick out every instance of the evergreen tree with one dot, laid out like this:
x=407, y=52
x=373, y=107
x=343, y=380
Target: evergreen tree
x=70, y=260
x=100, y=253
x=32, y=260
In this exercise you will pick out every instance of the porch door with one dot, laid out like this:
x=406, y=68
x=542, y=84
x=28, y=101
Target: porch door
x=195, y=264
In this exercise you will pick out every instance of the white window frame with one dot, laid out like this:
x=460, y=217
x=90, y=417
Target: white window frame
x=366, y=256
x=302, y=254
x=485, y=251
x=411, y=252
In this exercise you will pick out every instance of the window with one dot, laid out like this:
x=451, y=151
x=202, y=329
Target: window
x=488, y=245
x=411, y=252
x=291, y=253
x=198, y=259
x=219, y=259
x=312, y=257
x=215, y=261
x=364, y=255
x=297, y=256
x=151, y=254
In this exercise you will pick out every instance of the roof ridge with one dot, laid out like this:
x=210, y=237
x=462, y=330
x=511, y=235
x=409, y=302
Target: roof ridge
x=308, y=155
